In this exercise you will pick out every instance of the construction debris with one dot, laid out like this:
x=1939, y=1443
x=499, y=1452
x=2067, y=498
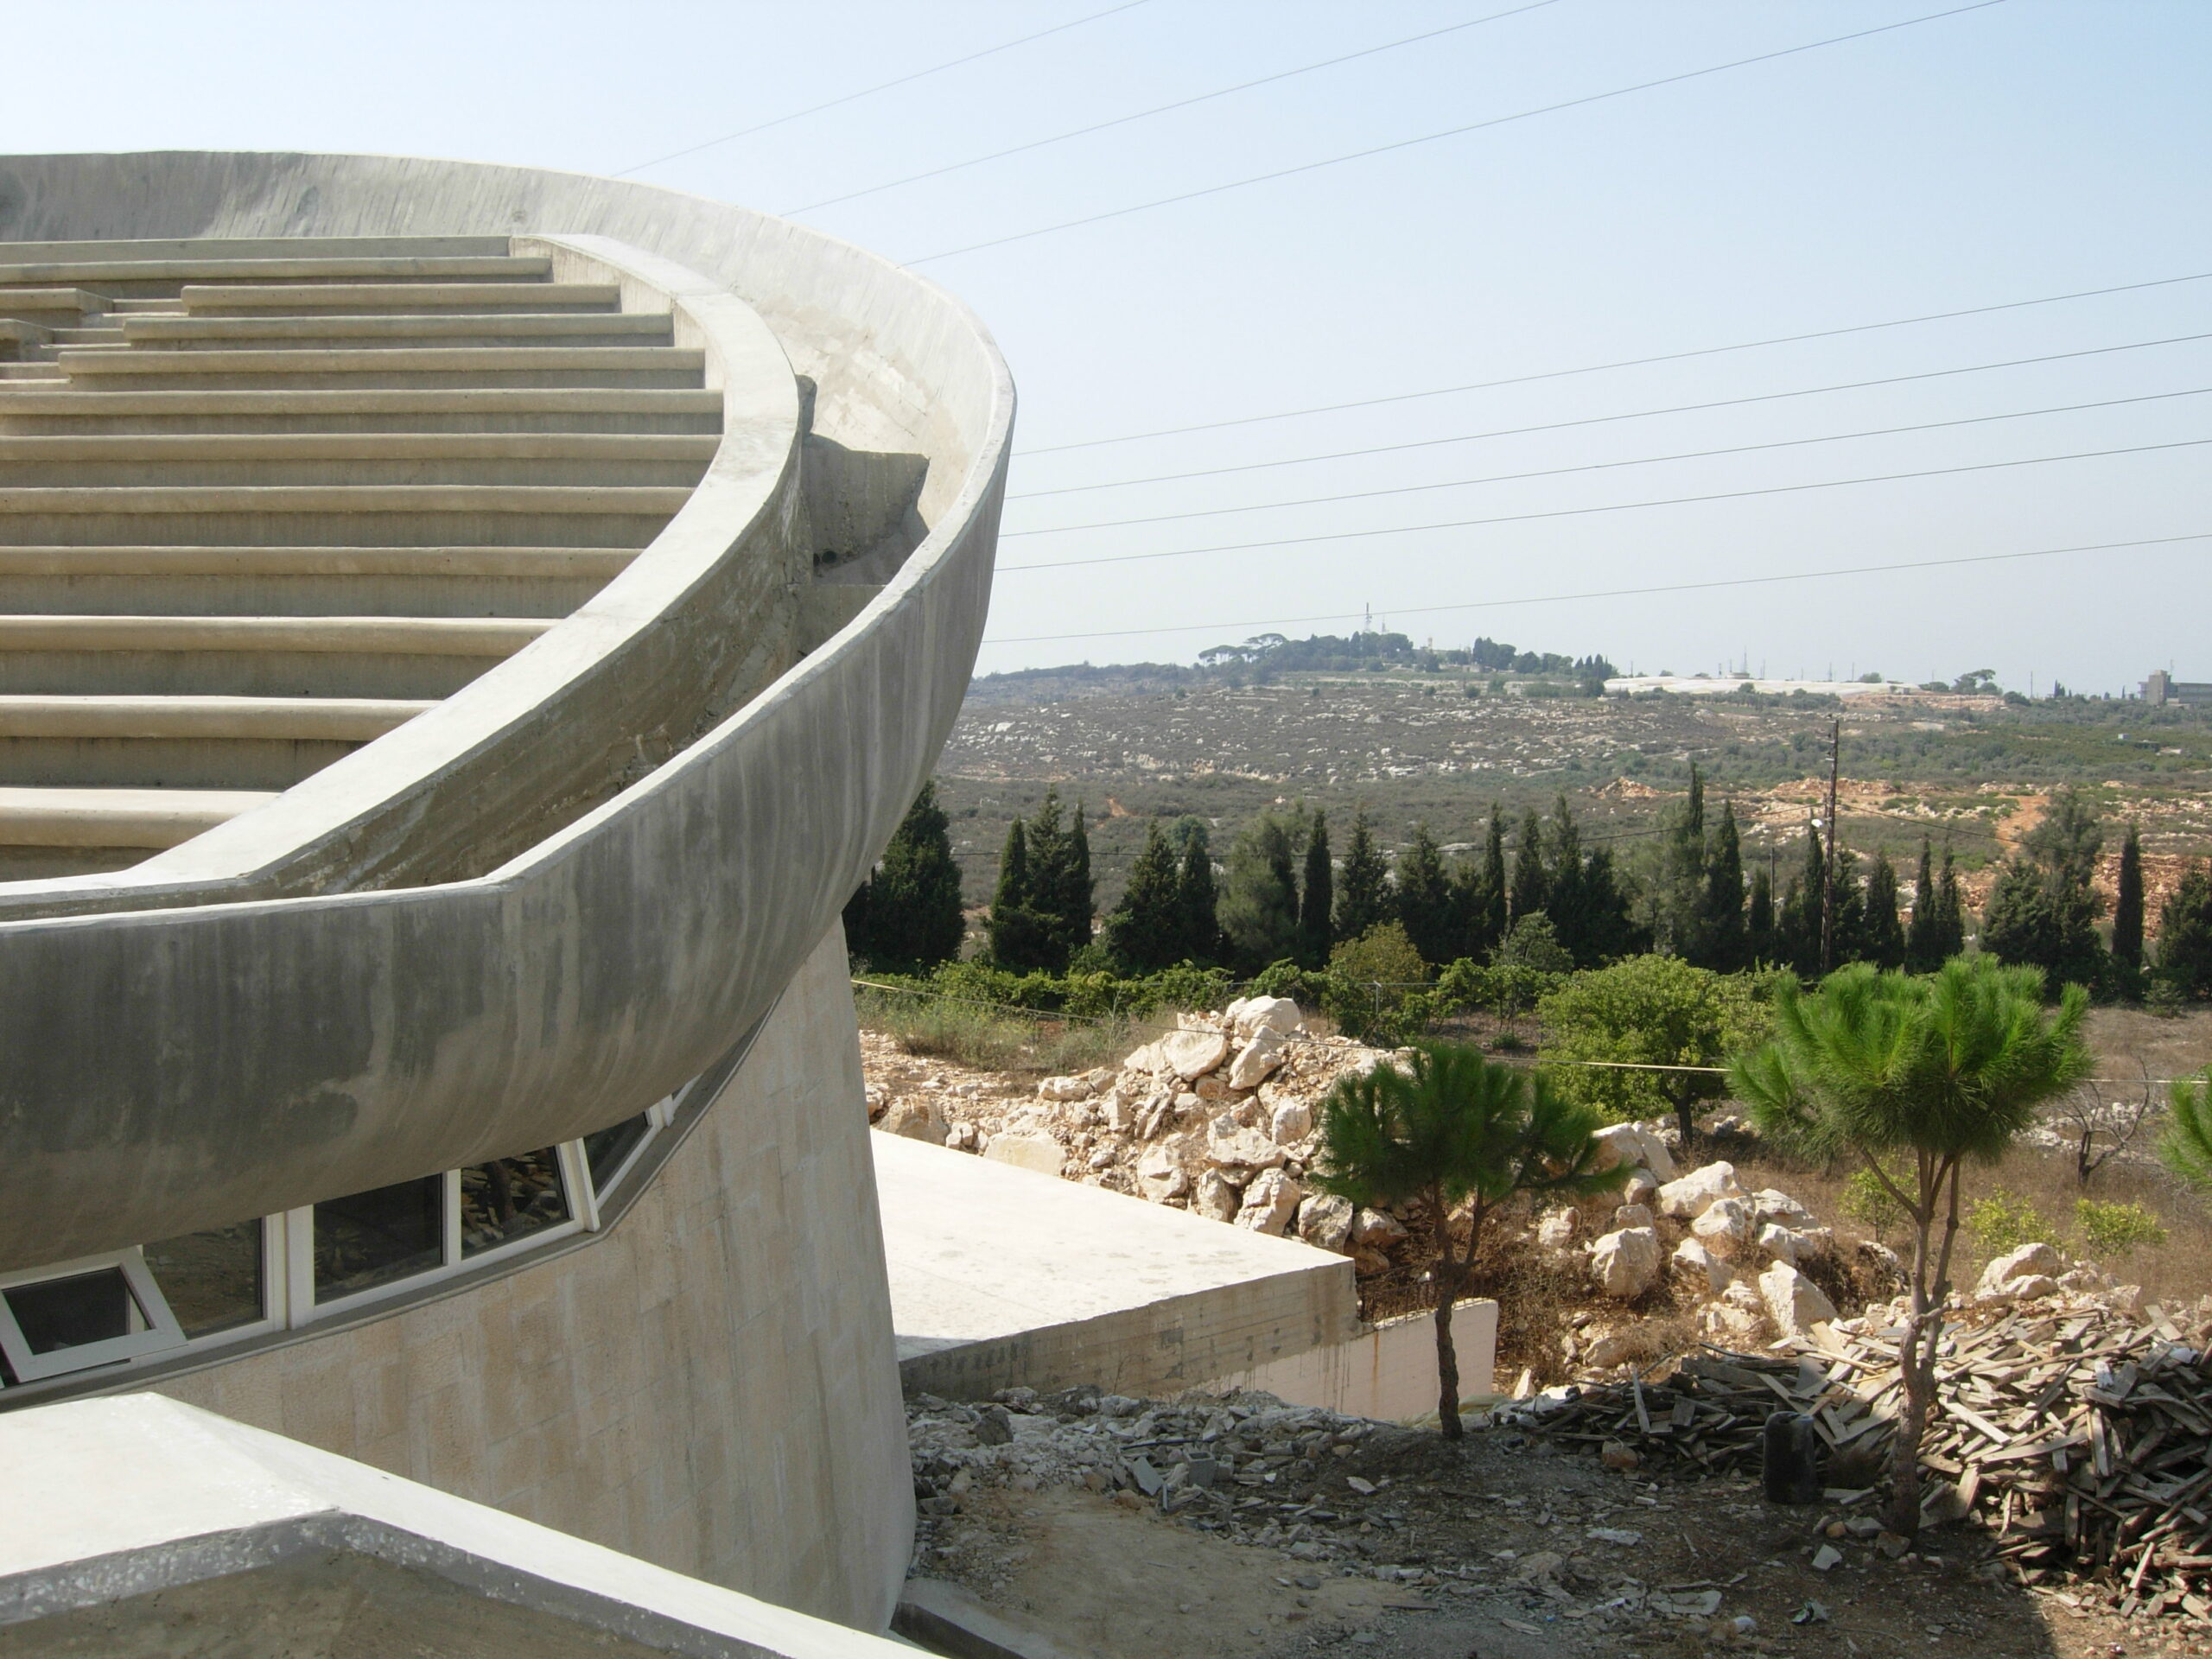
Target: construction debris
x=2076, y=1435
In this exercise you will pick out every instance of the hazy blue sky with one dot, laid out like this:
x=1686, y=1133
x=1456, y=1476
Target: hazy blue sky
x=2028, y=148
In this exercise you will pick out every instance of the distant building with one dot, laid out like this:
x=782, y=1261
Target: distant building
x=2163, y=687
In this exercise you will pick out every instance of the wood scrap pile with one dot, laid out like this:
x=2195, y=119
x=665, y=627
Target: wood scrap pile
x=2076, y=1431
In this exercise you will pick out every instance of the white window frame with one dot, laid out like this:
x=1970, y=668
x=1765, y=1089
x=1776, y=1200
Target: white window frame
x=567, y=1155
x=161, y=1332
x=657, y=1116
x=299, y=1239
x=272, y=1291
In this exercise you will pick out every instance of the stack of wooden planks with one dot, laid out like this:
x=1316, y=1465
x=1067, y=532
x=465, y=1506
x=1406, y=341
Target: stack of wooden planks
x=2078, y=1433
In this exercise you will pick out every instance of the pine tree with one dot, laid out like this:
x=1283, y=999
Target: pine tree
x=1531, y=882
x=1882, y=944
x=1199, y=933
x=908, y=912
x=1423, y=898
x=2185, y=935
x=1364, y=883
x=1258, y=910
x=1315, y=897
x=1486, y=919
x=1921, y=951
x=2127, y=916
x=1719, y=931
x=1021, y=941
x=1145, y=932
x=2043, y=911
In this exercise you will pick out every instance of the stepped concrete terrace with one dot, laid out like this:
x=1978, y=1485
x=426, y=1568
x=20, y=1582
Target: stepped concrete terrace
x=464, y=632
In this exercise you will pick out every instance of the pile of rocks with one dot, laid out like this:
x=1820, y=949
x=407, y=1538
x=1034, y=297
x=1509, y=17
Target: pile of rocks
x=1743, y=1263
x=1215, y=1116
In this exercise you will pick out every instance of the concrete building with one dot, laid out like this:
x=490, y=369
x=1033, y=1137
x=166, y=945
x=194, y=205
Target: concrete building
x=2162, y=688
x=464, y=631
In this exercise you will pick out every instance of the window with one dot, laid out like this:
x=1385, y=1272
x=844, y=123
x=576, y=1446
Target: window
x=215, y=1281
x=608, y=1154
x=80, y=1315
x=369, y=1239
x=511, y=1198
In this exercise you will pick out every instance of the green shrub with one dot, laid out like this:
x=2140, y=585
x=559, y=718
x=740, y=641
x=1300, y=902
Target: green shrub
x=1872, y=1204
x=2115, y=1230
x=2003, y=1221
x=1371, y=982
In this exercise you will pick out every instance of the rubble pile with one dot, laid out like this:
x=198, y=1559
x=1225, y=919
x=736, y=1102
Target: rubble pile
x=2074, y=1425
x=1215, y=1116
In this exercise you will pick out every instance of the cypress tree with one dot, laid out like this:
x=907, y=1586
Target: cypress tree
x=1682, y=907
x=1799, y=928
x=1145, y=932
x=1486, y=925
x=2127, y=915
x=1760, y=945
x=1564, y=899
x=1719, y=931
x=1258, y=912
x=1921, y=953
x=909, y=909
x=1950, y=937
x=1850, y=909
x=1883, y=942
x=2185, y=934
x=1424, y=898
x=1363, y=889
x=1074, y=893
x=1531, y=883
x=1315, y=897
x=1021, y=941
x=1199, y=935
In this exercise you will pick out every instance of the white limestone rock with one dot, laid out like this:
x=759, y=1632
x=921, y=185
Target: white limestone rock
x=1657, y=1158
x=1324, y=1220
x=1705, y=1274
x=1191, y=1054
x=1779, y=1243
x=917, y=1120
x=1029, y=1150
x=1690, y=1195
x=1642, y=1188
x=1229, y=1143
x=1256, y=1061
x=1617, y=1144
x=1215, y=1199
x=1248, y=1016
x=1726, y=1227
x=1269, y=1203
x=1371, y=1230
x=2029, y=1261
x=1632, y=1215
x=1293, y=1121
x=1160, y=1175
x=1775, y=1205
x=1064, y=1089
x=1794, y=1302
x=1556, y=1231
x=1625, y=1264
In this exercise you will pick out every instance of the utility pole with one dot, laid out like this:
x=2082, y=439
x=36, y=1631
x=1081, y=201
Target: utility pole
x=1827, y=864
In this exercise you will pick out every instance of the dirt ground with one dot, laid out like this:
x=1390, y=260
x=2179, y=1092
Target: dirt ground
x=1456, y=1540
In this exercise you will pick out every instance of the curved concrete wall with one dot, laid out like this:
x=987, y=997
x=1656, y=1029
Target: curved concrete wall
x=179, y=1068
x=708, y=1384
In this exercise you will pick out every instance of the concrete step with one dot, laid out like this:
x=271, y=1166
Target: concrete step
x=356, y=298
x=399, y=328
x=253, y=458
x=186, y=742
x=380, y=657
x=163, y=277
x=394, y=368
x=262, y=247
x=99, y=336
x=35, y=371
x=117, y=817
x=512, y=582
x=402, y=515
x=358, y=408
x=50, y=304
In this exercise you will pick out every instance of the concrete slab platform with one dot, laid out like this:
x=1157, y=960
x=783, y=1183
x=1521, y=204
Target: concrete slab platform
x=1001, y=1277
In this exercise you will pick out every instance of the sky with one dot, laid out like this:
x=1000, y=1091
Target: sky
x=2011, y=152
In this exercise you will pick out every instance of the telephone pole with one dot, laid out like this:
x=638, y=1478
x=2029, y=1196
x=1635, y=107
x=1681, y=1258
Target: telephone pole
x=1828, y=863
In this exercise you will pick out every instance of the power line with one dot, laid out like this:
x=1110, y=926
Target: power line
x=1601, y=420
x=1160, y=109
x=1623, y=362
x=881, y=86
x=1605, y=466
x=1617, y=506
x=1612, y=592
x=1453, y=132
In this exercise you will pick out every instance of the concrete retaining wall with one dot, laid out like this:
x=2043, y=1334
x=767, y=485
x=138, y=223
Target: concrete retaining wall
x=710, y=1385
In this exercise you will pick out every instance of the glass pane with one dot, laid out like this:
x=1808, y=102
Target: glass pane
x=606, y=1151
x=58, y=1313
x=211, y=1279
x=372, y=1238
x=509, y=1199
